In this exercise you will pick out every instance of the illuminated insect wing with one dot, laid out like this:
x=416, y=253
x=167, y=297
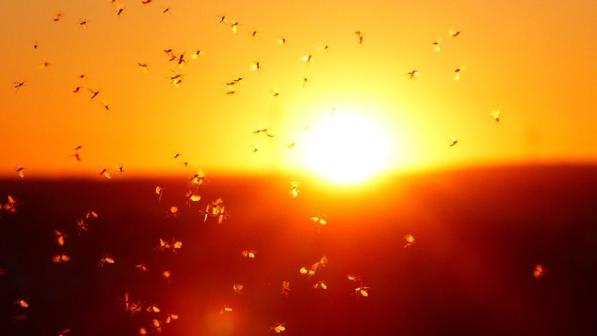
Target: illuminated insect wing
x=319, y=219
x=177, y=245
x=409, y=239
x=60, y=258
x=458, y=72
x=436, y=46
x=152, y=309
x=170, y=318
x=320, y=285
x=193, y=197
x=454, y=33
x=106, y=259
x=237, y=288
x=22, y=303
x=278, y=328
x=91, y=214
x=362, y=291
x=249, y=254
x=353, y=278
x=164, y=245
x=159, y=191
x=106, y=174
x=157, y=325
x=58, y=17
x=305, y=271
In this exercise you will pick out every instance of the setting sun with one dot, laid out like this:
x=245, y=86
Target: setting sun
x=347, y=147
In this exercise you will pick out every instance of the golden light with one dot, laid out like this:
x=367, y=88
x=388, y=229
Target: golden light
x=347, y=148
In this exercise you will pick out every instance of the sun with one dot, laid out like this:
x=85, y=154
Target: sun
x=347, y=148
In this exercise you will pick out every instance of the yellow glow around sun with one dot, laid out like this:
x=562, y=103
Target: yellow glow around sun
x=347, y=148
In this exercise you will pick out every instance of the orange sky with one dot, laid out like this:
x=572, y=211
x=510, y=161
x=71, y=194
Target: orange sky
x=534, y=60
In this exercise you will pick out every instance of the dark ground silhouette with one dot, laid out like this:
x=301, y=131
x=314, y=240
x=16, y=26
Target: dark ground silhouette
x=479, y=233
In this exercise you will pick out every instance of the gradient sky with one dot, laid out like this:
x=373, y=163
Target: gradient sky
x=532, y=59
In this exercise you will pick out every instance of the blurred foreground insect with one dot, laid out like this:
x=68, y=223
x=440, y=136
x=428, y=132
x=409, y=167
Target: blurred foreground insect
x=539, y=271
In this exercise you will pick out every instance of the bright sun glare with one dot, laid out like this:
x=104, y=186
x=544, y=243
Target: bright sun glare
x=347, y=148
